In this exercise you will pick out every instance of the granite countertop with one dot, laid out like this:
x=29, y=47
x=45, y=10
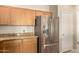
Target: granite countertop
x=11, y=37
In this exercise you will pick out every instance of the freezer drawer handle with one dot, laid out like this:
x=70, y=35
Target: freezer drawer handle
x=46, y=45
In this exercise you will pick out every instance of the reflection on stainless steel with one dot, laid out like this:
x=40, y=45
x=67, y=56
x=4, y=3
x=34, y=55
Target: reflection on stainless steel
x=46, y=29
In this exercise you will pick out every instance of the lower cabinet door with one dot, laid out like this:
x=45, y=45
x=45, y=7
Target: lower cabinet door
x=1, y=47
x=29, y=46
x=12, y=46
x=18, y=46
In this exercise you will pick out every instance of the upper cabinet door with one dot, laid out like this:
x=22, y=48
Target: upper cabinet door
x=22, y=16
x=41, y=13
x=4, y=15
x=17, y=15
x=29, y=17
x=38, y=13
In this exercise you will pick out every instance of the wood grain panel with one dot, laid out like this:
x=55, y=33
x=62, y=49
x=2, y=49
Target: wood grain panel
x=29, y=17
x=17, y=15
x=43, y=13
x=12, y=46
x=4, y=15
x=29, y=45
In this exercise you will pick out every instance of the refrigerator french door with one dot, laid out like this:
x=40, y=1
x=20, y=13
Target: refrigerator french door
x=46, y=29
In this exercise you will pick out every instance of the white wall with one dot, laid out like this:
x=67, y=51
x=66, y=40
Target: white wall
x=75, y=28
x=65, y=27
x=35, y=7
x=77, y=12
x=54, y=9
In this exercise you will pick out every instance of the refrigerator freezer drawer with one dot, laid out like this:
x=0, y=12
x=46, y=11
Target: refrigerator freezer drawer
x=50, y=48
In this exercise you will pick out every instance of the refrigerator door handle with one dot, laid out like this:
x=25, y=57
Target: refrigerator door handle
x=47, y=45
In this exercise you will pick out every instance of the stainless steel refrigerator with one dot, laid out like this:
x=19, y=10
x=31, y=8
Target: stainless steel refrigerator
x=47, y=30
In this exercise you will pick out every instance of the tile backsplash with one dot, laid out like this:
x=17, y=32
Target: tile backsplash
x=16, y=29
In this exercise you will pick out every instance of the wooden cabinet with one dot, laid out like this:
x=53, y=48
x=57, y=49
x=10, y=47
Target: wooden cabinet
x=17, y=16
x=42, y=13
x=28, y=45
x=1, y=47
x=22, y=16
x=29, y=17
x=12, y=46
x=4, y=15
x=38, y=13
